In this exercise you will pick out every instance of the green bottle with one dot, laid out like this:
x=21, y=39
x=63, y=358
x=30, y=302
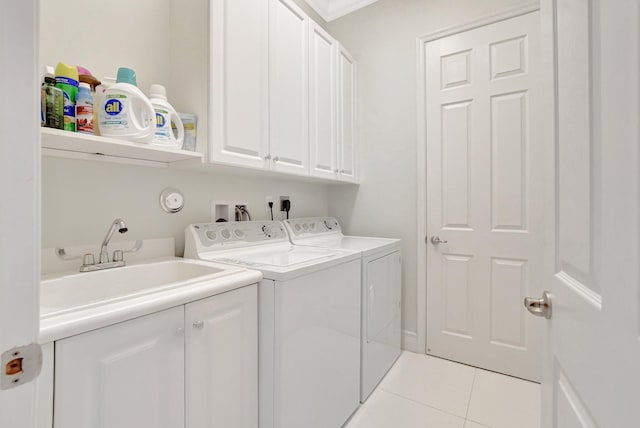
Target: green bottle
x=52, y=102
x=67, y=80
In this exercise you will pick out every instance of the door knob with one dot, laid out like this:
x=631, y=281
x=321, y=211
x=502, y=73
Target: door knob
x=539, y=307
x=435, y=240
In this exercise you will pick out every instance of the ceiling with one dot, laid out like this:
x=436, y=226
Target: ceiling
x=333, y=9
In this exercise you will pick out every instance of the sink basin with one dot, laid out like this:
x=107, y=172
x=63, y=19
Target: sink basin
x=81, y=290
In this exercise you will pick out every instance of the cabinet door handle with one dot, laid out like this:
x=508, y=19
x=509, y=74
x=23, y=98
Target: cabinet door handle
x=199, y=324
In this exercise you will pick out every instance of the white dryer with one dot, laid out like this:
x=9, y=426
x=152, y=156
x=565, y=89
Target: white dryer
x=381, y=291
x=309, y=315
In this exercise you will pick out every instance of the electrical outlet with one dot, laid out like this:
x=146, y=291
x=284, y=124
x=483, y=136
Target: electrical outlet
x=283, y=198
x=268, y=199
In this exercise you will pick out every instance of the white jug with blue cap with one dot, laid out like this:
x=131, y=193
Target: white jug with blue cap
x=125, y=111
x=166, y=116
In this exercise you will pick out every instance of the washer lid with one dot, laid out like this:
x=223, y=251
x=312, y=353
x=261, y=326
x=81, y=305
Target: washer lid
x=281, y=262
x=363, y=244
x=288, y=258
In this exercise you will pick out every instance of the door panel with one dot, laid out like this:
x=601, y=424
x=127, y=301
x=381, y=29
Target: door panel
x=486, y=173
x=126, y=375
x=239, y=67
x=222, y=360
x=20, y=187
x=347, y=129
x=288, y=87
x=322, y=103
x=591, y=368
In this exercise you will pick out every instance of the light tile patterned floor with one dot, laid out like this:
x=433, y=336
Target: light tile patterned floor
x=426, y=392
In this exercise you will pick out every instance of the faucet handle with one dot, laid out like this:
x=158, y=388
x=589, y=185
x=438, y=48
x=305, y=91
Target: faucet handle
x=88, y=260
x=118, y=256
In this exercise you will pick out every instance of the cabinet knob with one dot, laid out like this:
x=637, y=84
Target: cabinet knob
x=337, y=171
x=276, y=158
x=342, y=171
x=199, y=324
x=267, y=157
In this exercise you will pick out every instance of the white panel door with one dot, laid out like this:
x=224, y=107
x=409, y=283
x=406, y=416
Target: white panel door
x=20, y=209
x=127, y=375
x=322, y=103
x=222, y=360
x=347, y=120
x=288, y=87
x=239, y=82
x=592, y=371
x=486, y=170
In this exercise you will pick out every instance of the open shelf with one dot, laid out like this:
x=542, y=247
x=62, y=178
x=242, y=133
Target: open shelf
x=74, y=145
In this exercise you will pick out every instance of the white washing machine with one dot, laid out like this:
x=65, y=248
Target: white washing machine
x=381, y=291
x=309, y=314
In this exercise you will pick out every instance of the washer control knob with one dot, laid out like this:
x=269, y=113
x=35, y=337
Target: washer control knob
x=297, y=227
x=225, y=234
x=305, y=226
x=239, y=233
x=211, y=234
x=266, y=229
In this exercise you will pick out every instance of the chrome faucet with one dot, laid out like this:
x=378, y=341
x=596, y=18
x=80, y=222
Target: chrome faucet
x=122, y=228
x=88, y=263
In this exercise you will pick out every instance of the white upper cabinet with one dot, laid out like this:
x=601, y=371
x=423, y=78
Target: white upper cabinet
x=347, y=130
x=288, y=87
x=322, y=103
x=238, y=125
x=282, y=92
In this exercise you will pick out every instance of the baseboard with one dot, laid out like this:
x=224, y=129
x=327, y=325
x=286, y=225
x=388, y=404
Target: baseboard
x=410, y=341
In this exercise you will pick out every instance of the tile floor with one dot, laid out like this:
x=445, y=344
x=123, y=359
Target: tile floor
x=427, y=392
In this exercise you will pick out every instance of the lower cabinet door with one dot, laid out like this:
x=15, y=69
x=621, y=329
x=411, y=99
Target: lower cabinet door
x=128, y=375
x=222, y=360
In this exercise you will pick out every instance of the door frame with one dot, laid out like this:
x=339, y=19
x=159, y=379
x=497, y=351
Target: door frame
x=20, y=211
x=418, y=343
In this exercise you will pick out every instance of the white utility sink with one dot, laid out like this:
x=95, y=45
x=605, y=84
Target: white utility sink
x=78, y=291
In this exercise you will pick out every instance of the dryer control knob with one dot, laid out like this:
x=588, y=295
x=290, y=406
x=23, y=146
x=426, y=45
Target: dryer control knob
x=225, y=233
x=239, y=233
x=266, y=229
x=212, y=235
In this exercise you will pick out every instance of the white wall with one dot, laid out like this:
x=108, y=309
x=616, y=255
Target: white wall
x=382, y=37
x=81, y=198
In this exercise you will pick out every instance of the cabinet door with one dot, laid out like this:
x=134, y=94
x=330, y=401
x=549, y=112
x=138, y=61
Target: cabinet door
x=239, y=81
x=322, y=103
x=347, y=131
x=288, y=86
x=128, y=375
x=222, y=360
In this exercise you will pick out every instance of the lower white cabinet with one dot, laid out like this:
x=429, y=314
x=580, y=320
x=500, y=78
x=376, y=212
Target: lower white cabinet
x=222, y=360
x=134, y=374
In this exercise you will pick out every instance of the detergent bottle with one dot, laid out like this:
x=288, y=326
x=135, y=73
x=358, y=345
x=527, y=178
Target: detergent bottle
x=125, y=111
x=67, y=80
x=165, y=116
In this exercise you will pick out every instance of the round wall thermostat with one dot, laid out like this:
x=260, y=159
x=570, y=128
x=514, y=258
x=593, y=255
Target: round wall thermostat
x=171, y=200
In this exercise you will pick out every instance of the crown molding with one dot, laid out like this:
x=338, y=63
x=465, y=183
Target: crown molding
x=334, y=9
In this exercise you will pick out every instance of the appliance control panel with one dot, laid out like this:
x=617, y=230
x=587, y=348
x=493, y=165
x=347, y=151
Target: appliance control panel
x=312, y=226
x=226, y=233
